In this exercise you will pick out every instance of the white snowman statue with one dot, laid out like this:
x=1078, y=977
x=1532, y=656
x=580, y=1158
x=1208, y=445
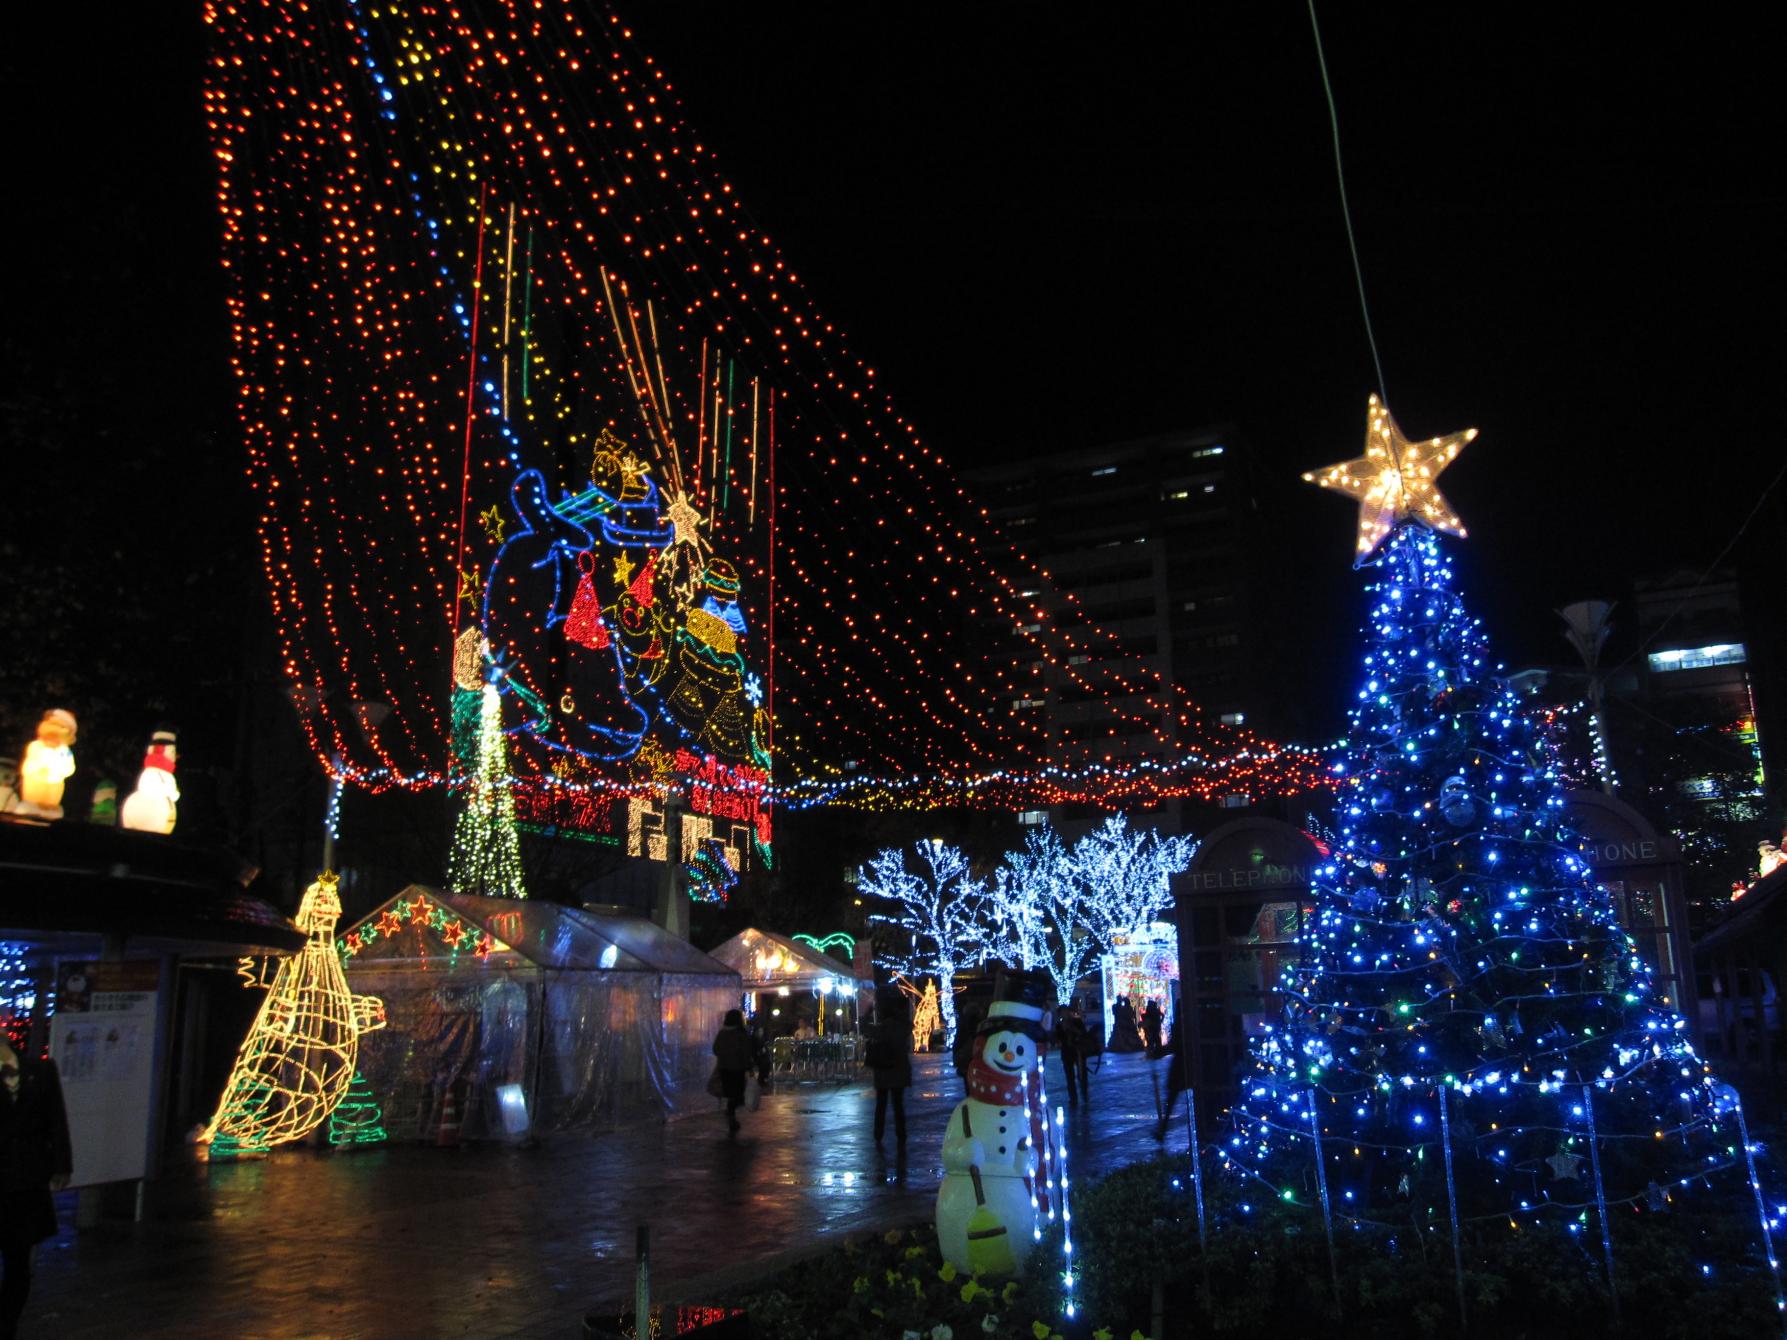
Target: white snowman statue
x=999, y=1160
x=153, y=806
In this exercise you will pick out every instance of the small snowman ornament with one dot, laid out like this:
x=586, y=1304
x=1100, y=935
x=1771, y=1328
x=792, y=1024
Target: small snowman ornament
x=998, y=1153
x=151, y=808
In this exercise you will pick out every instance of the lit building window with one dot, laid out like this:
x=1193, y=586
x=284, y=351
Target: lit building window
x=1697, y=658
x=1233, y=718
x=1033, y=818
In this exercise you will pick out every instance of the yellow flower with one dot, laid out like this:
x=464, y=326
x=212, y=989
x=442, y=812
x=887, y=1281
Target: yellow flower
x=1040, y=1329
x=861, y=1285
x=1102, y=1333
x=1137, y=1335
x=893, y=1277
x=913, y=1253
x=1009, y=1292
x=972, y=1290
x=948, y=1273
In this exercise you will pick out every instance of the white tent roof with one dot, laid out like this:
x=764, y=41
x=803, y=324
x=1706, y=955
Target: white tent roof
x=765, y=959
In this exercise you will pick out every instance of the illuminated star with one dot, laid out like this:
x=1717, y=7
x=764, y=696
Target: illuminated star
x=493, y=523
x=623, y=570
x=1394, y=479
x=468, y=584
x=423, y=913
x=390, y=923
x=686, y=520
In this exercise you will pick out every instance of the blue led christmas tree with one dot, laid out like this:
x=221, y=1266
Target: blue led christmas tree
x=1470, y=1034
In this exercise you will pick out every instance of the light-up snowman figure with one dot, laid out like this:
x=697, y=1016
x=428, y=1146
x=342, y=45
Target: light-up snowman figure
x=999, y=1158
x=298, y=1059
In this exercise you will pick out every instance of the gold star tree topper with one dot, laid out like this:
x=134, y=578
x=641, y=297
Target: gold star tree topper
x=1395, y=479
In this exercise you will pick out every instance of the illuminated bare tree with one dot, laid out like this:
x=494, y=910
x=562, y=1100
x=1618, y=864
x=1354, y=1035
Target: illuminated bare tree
x=940, y=908
x=1125, y=872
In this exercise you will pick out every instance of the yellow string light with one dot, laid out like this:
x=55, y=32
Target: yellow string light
x=298, y=1059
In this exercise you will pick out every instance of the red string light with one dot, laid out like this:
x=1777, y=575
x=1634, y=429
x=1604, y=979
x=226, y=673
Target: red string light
x=361, y=149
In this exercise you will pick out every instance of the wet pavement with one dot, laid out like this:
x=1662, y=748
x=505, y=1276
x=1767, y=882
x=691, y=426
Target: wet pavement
x=404, y=1240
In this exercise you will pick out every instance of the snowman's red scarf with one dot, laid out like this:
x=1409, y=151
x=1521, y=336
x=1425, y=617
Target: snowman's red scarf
x=989, y=1084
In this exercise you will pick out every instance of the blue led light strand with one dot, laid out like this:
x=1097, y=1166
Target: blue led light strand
x=1730, y=1095
x=1452, y=1200
x=1594, y=1156
x=1321, y=1181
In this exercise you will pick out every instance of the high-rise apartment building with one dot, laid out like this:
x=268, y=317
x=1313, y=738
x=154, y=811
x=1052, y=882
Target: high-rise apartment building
x=1147, y=539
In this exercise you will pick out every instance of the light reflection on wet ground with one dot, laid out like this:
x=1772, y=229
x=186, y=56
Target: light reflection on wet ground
x=493, y=1241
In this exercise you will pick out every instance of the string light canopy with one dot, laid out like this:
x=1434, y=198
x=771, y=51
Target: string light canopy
x=513, y=360
x=1395, y=479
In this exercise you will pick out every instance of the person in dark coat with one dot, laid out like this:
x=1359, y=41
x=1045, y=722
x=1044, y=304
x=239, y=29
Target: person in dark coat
x=1124, y=1036
x=1153, y=1020
x=735, y=1054
x=35, y=1160
x=890, y=1055
x=1072, y=1041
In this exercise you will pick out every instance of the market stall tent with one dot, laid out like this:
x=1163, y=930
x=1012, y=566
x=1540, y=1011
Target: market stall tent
x=766, y=961
x=508, y=1014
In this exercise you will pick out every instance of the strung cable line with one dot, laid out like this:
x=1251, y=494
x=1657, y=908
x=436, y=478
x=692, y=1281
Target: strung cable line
x=1346, y=212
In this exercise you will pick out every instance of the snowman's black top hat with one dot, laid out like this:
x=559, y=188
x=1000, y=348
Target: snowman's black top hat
x=1022, y=1002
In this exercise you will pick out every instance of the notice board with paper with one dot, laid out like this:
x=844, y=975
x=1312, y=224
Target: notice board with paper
x=102, y=1039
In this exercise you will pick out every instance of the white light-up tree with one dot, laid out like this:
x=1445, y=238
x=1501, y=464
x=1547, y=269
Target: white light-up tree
x=1017, y=926
x=1037, y=915
x=1125, y=871
x=1060, y=908
x=941, y=909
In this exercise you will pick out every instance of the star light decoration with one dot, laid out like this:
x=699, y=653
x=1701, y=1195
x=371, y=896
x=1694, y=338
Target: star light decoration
x=1395, y=479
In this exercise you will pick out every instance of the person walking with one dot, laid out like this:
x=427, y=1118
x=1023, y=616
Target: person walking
x=736, y=1056
x=1153, y=1017
x=890, y=1057
x=35, y=1160
x=1073, y=1039
x=1124, y=1037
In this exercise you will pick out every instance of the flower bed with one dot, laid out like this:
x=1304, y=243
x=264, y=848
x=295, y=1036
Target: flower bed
x=1695, y=1272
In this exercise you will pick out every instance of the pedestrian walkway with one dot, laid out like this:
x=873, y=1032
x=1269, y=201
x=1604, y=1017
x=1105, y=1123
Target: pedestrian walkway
x=495, y=1241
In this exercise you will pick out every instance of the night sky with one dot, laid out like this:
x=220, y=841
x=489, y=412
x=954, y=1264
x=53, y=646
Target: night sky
x=1052, y=226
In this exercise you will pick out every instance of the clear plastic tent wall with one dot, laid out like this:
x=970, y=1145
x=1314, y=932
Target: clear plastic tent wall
x=599, y=1019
